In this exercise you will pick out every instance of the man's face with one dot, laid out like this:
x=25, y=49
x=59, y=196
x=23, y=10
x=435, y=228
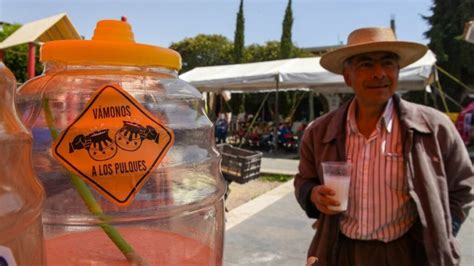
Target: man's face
x=373, y=77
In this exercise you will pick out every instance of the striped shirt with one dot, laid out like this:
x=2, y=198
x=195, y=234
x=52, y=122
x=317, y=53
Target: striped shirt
x=379, y=205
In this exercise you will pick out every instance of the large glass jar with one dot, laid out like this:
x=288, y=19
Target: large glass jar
x=21, y=195
x=177, y=215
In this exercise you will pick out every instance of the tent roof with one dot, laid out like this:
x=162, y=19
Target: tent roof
x=293, y=74
x=57, y=27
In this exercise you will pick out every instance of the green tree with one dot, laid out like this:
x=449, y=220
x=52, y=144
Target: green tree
x=16, y=57
x=259, y=53
x=453, y=53
x=239, y=35
x=204, y=50
x=270, y=51
x=286, y=43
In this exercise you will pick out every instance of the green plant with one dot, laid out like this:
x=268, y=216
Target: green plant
x=275, y=177
x=453, y=54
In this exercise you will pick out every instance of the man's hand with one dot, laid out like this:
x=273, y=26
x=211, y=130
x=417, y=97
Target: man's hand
x=311, y=261
x=320, y=198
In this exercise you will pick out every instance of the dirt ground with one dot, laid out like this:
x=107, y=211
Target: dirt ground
x=242, y=193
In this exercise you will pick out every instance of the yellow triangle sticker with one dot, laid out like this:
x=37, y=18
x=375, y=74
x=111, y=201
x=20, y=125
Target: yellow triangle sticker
x=114, y=144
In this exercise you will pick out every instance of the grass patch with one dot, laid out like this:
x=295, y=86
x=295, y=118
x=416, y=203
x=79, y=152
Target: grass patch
x=275, y=177
x=470, y=148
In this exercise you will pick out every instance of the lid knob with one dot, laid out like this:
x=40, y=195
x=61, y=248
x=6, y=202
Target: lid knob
x=113, y=30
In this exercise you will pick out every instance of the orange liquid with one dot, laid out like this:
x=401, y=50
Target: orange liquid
x=156, y=247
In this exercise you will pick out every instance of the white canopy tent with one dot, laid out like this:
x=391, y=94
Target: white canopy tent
x=294, y=74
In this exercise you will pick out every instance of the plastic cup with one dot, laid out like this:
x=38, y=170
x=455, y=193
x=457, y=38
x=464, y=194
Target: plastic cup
x=337, y=176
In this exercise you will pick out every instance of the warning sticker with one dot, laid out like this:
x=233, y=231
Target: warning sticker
x=114, y=144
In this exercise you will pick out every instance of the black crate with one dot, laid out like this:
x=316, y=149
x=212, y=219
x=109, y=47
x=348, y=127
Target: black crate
x=239, y=165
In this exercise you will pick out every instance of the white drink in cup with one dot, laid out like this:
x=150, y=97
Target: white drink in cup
x=337, y=176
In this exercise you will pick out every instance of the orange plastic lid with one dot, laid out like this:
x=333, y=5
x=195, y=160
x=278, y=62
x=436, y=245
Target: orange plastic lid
x=112, y=44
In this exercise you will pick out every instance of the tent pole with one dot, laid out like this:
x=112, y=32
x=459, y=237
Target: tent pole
x=311, y=105
x=260, y=108
x=277, y=115
x=425, y=97
x=31, y=60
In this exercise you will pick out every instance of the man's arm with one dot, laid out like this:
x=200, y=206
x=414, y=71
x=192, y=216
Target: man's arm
x=460, y=176
x=307, y=176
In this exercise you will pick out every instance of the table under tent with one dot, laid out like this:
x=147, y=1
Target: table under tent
x=295, y=74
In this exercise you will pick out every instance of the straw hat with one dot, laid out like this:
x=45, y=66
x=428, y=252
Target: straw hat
x=366, y=40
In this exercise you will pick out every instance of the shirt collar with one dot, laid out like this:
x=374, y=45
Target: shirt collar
x=386, y=119
x=388, y=115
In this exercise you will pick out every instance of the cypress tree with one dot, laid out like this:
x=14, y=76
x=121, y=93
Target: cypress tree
x=286, y=45
x=239, y=35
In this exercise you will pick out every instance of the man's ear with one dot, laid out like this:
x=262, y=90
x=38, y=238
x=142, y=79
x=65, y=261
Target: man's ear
x=347, y=78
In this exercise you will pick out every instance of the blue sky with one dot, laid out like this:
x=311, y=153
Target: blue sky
x=161, y=22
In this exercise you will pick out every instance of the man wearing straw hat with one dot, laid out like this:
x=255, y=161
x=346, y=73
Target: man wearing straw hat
x=411, y=185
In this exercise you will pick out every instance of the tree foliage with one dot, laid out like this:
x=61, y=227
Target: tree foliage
x=453, y=53
x=286, y=42
x=270, y=51
x=239, y=39
x=259, y=53
x=204, y=50
x=16, y=57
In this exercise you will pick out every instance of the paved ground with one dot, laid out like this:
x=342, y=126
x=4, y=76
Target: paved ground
x=277, y=234
x=273, y=230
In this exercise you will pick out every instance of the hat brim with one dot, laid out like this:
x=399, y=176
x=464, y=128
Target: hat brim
x=408, y=52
